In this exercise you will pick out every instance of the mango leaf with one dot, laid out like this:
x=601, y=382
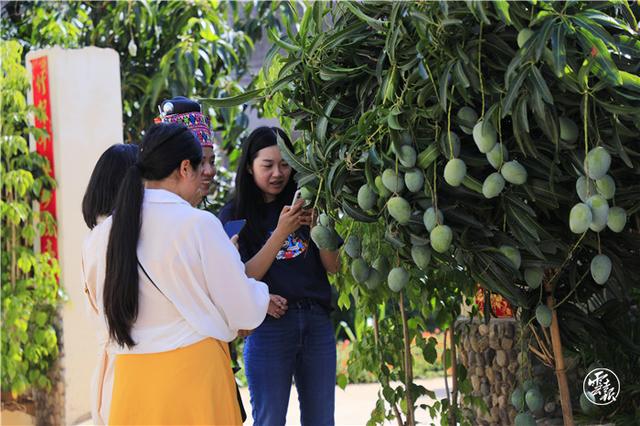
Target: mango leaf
x=559, y=49
x=601, y=56
x=252, y=95
x=502, y=6
x=291, y=158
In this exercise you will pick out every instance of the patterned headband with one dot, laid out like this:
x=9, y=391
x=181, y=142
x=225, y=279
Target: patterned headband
x=198, y=123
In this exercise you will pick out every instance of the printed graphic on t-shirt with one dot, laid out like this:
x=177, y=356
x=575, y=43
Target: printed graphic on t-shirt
x=293, y=247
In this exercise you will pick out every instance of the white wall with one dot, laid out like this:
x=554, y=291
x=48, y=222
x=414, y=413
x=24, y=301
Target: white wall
x=86, y=110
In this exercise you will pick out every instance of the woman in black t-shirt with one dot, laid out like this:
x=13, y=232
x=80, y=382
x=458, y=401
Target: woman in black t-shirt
x=296, y=340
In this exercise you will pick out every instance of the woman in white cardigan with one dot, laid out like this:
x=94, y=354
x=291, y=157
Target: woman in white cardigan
x=170, y=288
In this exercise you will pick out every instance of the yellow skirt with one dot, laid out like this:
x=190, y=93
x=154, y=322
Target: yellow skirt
x=193, y=385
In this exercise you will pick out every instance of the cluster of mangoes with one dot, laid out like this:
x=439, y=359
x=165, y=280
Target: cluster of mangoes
x=486, y=140
x=374, y=275
x=595, y=189
x=527, y=396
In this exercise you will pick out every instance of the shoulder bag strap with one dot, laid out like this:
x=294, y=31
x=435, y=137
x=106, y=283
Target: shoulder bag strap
x=149, y=278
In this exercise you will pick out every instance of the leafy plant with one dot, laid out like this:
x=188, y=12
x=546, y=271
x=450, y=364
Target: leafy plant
x=197, y=49
x=490, y=114
x=30, y=289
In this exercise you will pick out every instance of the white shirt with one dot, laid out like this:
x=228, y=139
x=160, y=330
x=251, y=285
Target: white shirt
x=205, y=292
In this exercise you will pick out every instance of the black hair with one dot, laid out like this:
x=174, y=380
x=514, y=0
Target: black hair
x=105, y=181
x=162, y=150
x=248, y=202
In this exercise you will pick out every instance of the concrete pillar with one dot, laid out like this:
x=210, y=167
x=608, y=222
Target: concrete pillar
x=86, y=118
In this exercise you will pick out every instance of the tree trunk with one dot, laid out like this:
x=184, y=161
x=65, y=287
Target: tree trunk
x=408, y=363
x=563, y=386
x=50, y=404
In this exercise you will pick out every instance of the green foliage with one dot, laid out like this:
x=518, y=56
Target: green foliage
x=197, y=49
x=30, y=289
x=363, y=80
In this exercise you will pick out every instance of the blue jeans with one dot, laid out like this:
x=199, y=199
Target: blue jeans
x=301, y=345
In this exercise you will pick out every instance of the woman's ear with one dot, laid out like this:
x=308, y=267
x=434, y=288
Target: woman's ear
x=185, y=167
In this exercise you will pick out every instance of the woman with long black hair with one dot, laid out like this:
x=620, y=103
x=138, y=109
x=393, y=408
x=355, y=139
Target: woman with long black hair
x=170, y=288
x=100, y=195
x=296, y=340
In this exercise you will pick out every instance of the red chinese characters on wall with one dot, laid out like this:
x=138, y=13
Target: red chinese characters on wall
x=44, y=146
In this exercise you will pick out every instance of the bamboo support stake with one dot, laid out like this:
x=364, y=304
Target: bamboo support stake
x=561, y=374
x=408, y=363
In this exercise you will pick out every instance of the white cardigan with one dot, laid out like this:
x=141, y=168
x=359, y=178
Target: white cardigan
x=205, y=292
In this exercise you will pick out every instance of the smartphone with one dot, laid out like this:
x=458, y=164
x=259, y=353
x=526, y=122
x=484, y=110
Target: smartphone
x=296, y=197
x=234, y=227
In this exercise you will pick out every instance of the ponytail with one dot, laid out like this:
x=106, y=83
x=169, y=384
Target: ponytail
x=163, y=149
x=121, y=278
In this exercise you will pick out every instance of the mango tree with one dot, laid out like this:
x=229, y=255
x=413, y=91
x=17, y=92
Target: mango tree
x=496, y=140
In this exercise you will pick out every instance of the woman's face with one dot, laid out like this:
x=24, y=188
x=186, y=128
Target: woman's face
x=208, y=169
x=270, y=172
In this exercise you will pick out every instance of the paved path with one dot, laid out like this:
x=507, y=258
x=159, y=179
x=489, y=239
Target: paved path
x=355, y=403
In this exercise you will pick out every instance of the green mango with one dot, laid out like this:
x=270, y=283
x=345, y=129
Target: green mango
x=533, y=277
x=325, y=238
x=484, y=136
x=440, y=238
x=513, y=254
x=600, y=268
x=399, y=209
x=397, y=279
x=455, y=171
x=525, y=419
x=360, y=270
x=580, y=218
x=431, y=218
x=599, y=211
x=606, y=187
x=585, y=188
x=353, y=247
x=493, y=185
x=597, y=163
x=517, y=398
x=467, y=116
x=617, y=219
x=513, y=172
x=534, y=399
x=306, y=194
x=366, y=197
x=568, y=130
x=383, y=192
x=543, y=315
x=497, y=156
x=374, y=280
x=381, y=264
x=588, y=408
x=414, y=179
x=407, y=156
x=421, y=256
x=393, y=181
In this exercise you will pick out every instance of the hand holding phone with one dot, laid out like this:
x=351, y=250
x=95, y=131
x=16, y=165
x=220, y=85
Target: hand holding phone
x=297, y=196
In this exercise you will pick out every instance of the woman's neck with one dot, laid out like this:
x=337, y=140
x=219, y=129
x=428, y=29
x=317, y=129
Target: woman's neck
x=268, y=198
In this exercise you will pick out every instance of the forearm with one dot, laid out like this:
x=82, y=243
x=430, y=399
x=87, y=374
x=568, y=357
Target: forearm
x=330, y=260
x=259, y=264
